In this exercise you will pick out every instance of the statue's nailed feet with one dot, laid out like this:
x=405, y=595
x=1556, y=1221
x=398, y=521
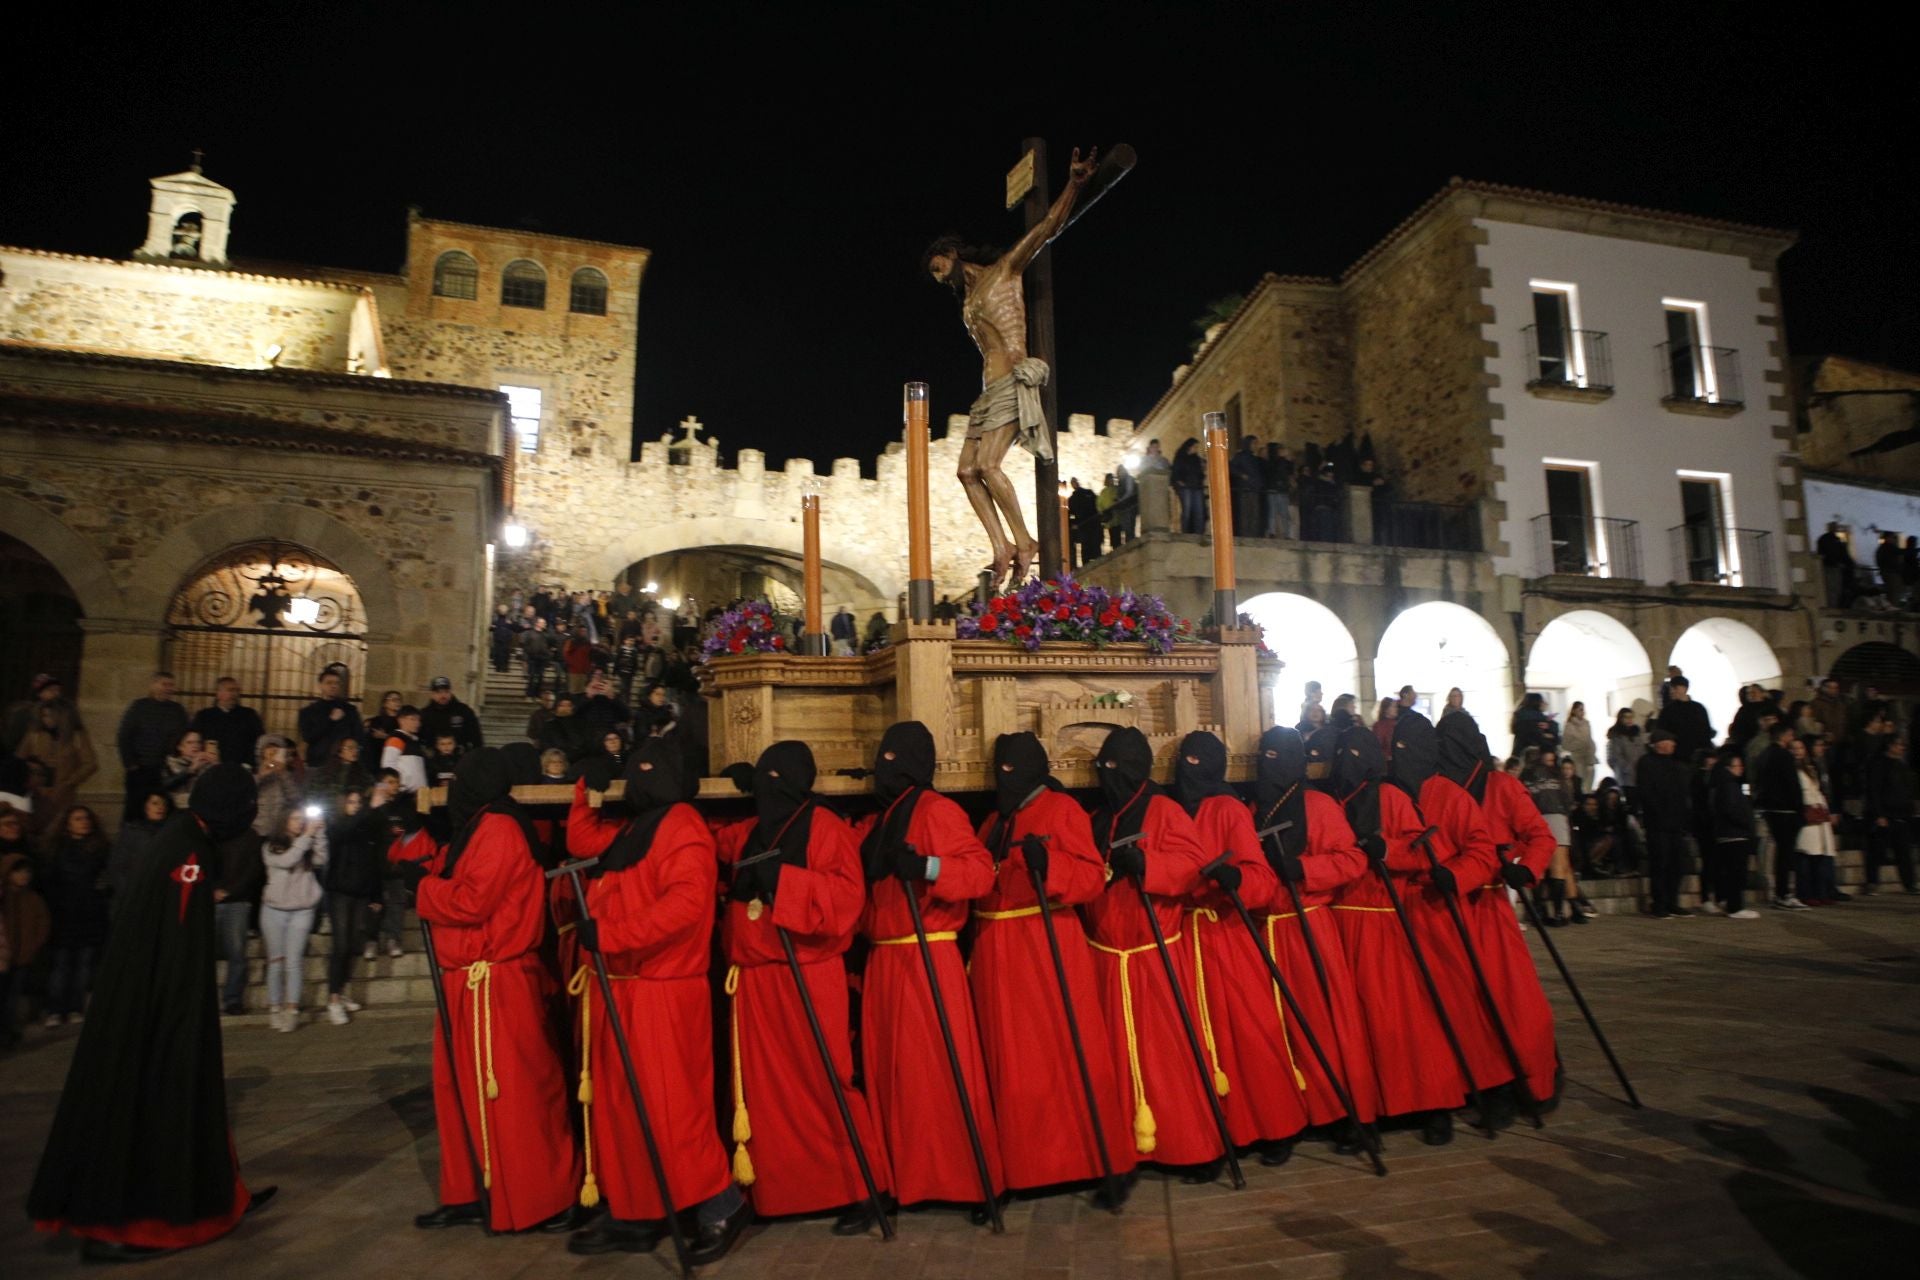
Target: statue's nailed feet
x=1023, y=558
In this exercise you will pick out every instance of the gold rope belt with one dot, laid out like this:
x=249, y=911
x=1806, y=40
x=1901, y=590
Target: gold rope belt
x=742, y=1128
x=1018, y=913
x=581, y=985
x=1280, y=1011
x=1144, y=1127
x=944, y=936
x=1220, y=1083
x=480, y=987
x=1288, y=915
x=1382, y=910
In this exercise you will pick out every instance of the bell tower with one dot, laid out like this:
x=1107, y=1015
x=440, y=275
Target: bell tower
x=188, y=219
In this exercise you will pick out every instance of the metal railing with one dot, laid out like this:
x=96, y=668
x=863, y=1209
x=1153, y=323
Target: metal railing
x=1713, y=554
x=1568, y=358
x=1699, y=375
x=1427, y=526
x=1586, y=546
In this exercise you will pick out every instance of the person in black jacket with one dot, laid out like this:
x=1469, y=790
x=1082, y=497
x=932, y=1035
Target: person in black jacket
x=1666, y=800
x=1685, y=719
x=148, y=730
x=567, y=731
x=1083, y=521
x=1775, y=786
x=356, y=865
x=1706, y=767
x=235, y=727
x=1726, y=857
x=446, y=714
x=328, y=718
x=73, y=879
x=1188, y=476
x=501, y=636
x=1889, y=814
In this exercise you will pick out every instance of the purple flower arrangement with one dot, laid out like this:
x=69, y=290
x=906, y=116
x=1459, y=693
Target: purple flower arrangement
x=748, y=627
x=1038, y=611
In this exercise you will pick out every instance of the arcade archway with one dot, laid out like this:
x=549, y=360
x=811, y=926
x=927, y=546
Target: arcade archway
x=1436, y=647
x=1588, y=656
x=1718, y=656
x=1313, y=643
x=39, y=621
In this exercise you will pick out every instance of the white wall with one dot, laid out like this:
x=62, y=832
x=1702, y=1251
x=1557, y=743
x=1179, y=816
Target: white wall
x=1865, y=509
x=1638, y=444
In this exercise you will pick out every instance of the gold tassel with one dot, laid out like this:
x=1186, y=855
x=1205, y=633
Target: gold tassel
x=1220, y=1082
x=1145, y=1131
x=742, y=1166
x=742, y=1129
x=589, y=1192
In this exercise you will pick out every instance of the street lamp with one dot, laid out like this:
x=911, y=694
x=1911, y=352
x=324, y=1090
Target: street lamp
x=515, y=535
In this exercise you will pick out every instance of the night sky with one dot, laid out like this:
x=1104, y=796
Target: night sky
x=787, y=170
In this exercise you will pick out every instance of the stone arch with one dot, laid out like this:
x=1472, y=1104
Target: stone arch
x=83, y=568
x=1313, y=643
x=1591, y=657
x=1886, y=667
x=1439, y=646
x=883, y=573
x=185, y=548
x=1718, y=655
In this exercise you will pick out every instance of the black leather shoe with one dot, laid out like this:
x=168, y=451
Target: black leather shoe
x=450, y=1215
x=1501, y=1108
x=856, y=1220
x=571, y=1218
x=1201, y=1174
x=260, y=1198
x=1276, y=1153
x=610, y=1235
x=715, y=1238
x=108, y=1251
x=1438, y=1129
x=1114, y=1191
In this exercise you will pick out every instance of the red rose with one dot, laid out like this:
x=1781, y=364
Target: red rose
x=990, y=623
x=997, y=605
x=1023, y=631
x=1110, y=617
x=1046, y=604
x=779, y=642
x=1062, y=613
x=1127, y=623
x=1083, y=612
x=735, y=645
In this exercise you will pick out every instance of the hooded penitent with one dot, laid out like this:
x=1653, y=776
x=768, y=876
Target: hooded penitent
x=141, y=1133
x=783, y=801
x=1019, y=771
x=1125, y=769
x=1358, y=765
x=657, y=778
x=523, y=763
x=1280, y=787
x=903, y=762
x=1463, y=753
x=1416, y=753
x=482, y=784
x=1205, y=775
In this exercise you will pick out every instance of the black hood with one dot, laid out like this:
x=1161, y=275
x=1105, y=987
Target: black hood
x=1280, y=787
x=225, y=798
x=482, y=784
x=657, y=778
x=1357, y=759
x=1416, y=752
x=782, y=800
x=523, y=763
x=1194, y=782
x=1321, y=746
x=1019, y=769
x=911, y=745
x=1463, y=752
x=1124, y=765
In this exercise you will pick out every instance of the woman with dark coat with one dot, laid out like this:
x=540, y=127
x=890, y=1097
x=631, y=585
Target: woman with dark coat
x=1189, y=481
x=130, y=846
x=74, y=881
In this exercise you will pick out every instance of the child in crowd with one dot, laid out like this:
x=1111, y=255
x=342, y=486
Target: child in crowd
x=444, y=760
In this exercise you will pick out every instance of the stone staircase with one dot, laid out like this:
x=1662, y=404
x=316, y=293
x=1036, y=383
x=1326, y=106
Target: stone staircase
x=384, y=983
x=503, y=704
x=1626, y=895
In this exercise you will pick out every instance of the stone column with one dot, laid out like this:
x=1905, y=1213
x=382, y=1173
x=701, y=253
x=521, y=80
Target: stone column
x=1155, y=503
x=1359, y=514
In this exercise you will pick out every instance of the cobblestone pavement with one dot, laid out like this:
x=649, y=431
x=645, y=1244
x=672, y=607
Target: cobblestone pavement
x=1779, y=1060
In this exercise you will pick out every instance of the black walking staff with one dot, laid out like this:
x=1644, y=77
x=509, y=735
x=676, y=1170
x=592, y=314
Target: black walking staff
x=1369, y=1141
x=1186, y=1014
x=1450, y=894
x=572, y=870
x=1546, y=936
x=453, y=1074
x=1109, y=1184
x=1426, y=977
x=992, y=1199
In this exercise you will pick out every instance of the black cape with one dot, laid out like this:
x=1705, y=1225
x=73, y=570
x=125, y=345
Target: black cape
x=141, y=1132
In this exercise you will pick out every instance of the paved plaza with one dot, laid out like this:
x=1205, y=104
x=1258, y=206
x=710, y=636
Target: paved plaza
x=1779, y=1061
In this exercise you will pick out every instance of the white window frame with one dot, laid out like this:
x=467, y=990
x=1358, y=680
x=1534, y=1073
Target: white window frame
x=529, y=441
x=1702, y=361
x=1729, y=545
x=1576, y=353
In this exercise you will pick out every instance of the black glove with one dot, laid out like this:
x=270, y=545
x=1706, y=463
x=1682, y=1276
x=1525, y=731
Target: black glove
x=741, y=775
x=588, y=931
x=411, y=874
x=1517, y=874
x=1444, y=880
x=1374, y=847
x=1130, y=861
x=909, y=866
x=597, y=772
x=1227, y=876
x=1034, y=850
x=745, y=886
x=1288, y=868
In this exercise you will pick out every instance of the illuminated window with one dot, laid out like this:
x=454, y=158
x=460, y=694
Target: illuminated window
x=523, y=408
x=523, y=284
x=456, y=275
x=588, y=296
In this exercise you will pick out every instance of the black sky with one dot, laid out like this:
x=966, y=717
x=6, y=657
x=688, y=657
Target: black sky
x=787, y=164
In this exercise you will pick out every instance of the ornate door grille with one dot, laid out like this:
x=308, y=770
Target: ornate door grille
x=271, y=615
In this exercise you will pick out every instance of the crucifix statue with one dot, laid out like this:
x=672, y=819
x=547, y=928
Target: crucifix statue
x=993, y=306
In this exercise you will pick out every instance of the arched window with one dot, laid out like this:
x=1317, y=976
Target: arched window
x=186, y=237
x=523, y=284
x=456, y=275
x=589, y=294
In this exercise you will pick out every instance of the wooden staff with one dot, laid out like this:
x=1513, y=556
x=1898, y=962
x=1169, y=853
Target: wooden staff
x=1226, y=606
x=816, y=631
x=919, y=521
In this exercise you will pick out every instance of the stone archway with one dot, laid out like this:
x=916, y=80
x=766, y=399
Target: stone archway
x=884, y=573
x=1313, y=643
x=40, y=617
x=1591, y=657
x=78, y=564
x=1718, y=655
x=1436, y=647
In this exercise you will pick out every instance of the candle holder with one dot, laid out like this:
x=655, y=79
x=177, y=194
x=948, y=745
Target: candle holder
x=919, y=520
x=1226, y=604
x=813, y=639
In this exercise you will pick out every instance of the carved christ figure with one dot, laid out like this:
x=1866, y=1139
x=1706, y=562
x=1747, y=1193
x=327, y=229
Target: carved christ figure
x=993, y=306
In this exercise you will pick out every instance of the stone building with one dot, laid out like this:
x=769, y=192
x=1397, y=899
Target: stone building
x=1582, y=412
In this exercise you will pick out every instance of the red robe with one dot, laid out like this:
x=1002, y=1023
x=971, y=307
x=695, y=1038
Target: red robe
x=655, y=921
x=1172, y=1122
x=1331, y=860
x=909, y=1080
x=1413, y=1068
x=791, y=1149
x=1521, y=835
x=1473, y=862
x=1254, y=1051
x=488, y=922
x=1046, y=1131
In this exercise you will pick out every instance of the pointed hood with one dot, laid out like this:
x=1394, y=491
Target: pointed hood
x=1200, y=770
x=1019, y=769
x=910, y=744
x=1280, y=787
x=1464, y=756
x=1416, y=752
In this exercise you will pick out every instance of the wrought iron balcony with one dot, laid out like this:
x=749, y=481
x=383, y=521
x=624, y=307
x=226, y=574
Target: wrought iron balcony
x=1699, y=376
x=1427, y=526
x=1586, y=546
x=1568, y=359
x=1712, y=554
